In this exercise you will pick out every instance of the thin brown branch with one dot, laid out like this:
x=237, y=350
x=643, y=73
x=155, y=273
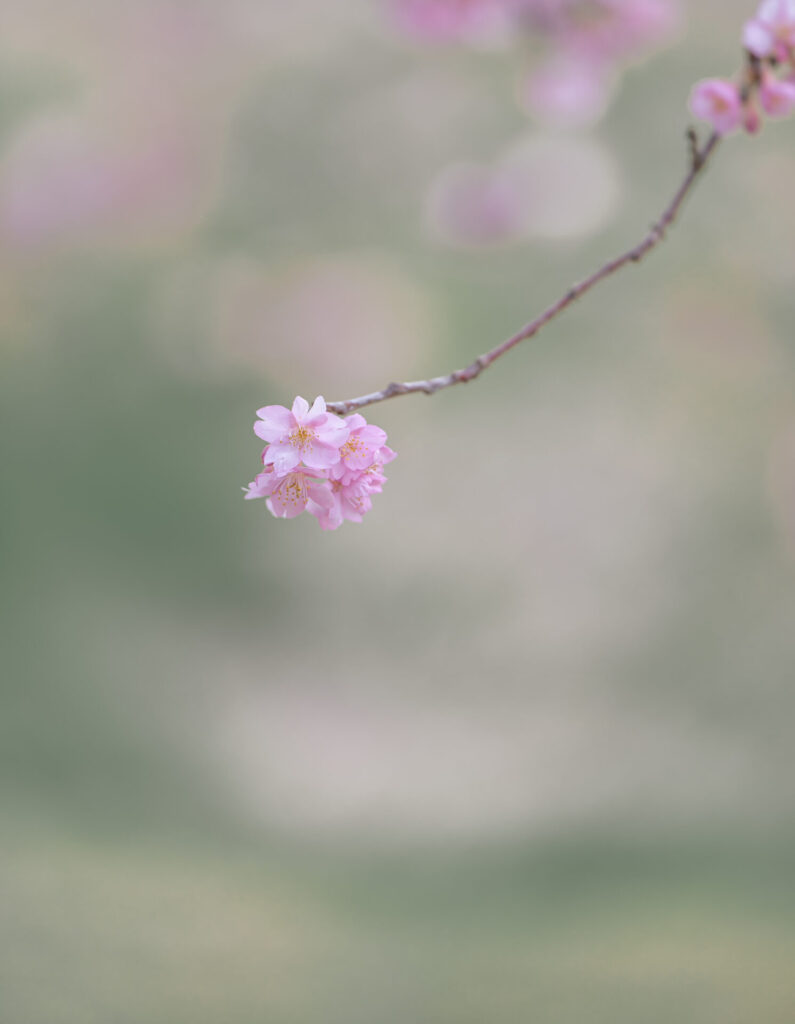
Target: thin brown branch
x=698, y=156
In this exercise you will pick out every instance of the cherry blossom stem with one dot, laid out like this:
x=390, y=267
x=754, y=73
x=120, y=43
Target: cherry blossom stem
x=699, y=155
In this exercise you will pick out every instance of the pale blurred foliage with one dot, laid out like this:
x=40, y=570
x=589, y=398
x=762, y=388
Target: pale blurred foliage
x=517, y=748
x=544, y=186
x=330, y=322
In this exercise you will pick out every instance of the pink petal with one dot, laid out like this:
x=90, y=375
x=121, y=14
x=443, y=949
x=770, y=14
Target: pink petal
x=777, y=98
x=326, y=509
x=274, y=422
x=284, y=458
x=321, y=455
x=758, y=38
x=364, y=444
x=333, y=432
x=318, y=407
x=345, y=474
x=300, y=408
x=290, y=497
x=777, y=13
x=355, y=507
x=372, y=436
x=260, y=486
x=320, y=494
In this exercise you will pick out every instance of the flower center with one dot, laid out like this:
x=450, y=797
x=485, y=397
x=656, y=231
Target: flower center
x=301, y=438
x=292, y=489
x=353, y=446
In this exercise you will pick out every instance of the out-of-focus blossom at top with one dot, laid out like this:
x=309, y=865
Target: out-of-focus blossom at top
x=567, y=91
x=583, y=43
x=777, y=97
x=587, y=45
x=772, y=32
x=475, y=22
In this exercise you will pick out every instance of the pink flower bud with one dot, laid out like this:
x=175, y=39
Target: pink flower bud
x=752, y=120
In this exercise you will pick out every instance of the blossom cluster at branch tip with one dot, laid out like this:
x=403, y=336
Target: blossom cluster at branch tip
x=317, y=462
x=767, y=81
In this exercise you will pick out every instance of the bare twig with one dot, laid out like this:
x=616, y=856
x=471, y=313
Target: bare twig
x=699, y=155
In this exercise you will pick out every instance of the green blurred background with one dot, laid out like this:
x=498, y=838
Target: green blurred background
x=518, y=748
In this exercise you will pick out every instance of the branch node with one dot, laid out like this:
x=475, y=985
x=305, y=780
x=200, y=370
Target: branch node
x=696, y=156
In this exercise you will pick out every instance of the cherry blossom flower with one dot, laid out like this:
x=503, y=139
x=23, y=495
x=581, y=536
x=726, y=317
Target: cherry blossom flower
x=287, y=495
x=719, y=102
x=771, y=33
x=340, y=501
x=363, y=444
x=348, y=494
x=382, y=457
x=611, y=29
x=767, y=81
x=313, y=436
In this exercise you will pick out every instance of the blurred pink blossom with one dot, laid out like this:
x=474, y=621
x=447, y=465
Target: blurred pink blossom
x=718, y=101
x=583, y=42
x=752, y=119
x=72, y=178
x=586, y=43
x=776, y=97
x=768, y=78
x=565, y=90
x=470, y=21
x=542, y=186
x=470, y=204
x=771, y=33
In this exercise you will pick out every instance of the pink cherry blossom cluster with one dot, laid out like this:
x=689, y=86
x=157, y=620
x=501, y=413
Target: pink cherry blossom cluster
x=584, y=42
x=317, y=462
x=769, y=75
